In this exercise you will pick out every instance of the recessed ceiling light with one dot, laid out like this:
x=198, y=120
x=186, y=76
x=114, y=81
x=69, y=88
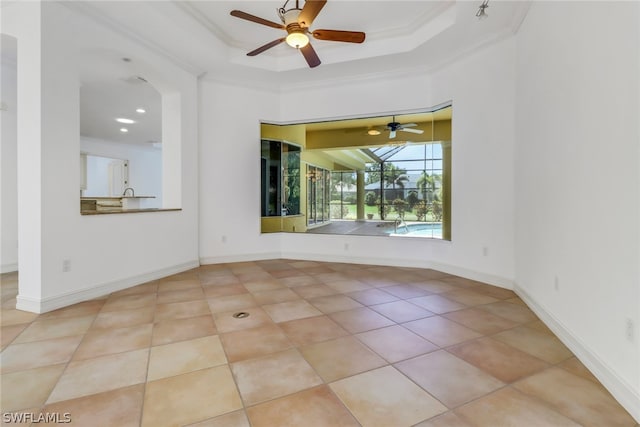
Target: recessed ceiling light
x=141, y=110
x=126, y=121
x=124, y=130
x=373, y=132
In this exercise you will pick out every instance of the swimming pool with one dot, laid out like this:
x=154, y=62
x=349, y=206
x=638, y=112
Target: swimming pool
x=419, y=230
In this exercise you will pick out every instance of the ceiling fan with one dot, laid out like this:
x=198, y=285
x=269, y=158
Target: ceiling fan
x=394, y=126
x=296, y=23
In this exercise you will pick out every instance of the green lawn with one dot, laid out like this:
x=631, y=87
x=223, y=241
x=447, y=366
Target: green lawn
x=409, y=216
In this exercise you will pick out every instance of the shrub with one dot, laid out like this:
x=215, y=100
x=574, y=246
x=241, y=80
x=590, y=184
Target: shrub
x=370, y=198
x=400, y=206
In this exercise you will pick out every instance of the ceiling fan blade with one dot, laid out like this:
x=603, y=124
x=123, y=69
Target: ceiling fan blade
x=409, y=125
x=419, y=131
x=265, y=47
x=258, y=20
x=392, y=134
x=309, y=12
x=310, y=55
x=339, y=36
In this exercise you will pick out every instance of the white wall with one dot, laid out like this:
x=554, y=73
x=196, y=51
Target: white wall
x=578, y=182
x=482, y=167
x=230, y=173
x=9, y=178
x=107, y=252
x=145, y=166
x=482, y=164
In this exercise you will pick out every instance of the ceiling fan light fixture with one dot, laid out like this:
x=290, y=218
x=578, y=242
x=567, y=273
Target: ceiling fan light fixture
x=297, y=39
x=373, y=132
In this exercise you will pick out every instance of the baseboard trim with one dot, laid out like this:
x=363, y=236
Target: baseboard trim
x=621, y=390
x=59, y=301
x=239, y=258
x=9, y=268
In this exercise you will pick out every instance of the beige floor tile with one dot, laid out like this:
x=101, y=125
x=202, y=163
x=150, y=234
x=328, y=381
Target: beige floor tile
x=190, y=398
x=360, y=320
x=440, y=331
x=124, y=318
x=231, y=303
x=145, y=288
x=14, y=317
x=192, y=294
x=129, y=302
x=177, y=285
x=515, y=312
x=181, y=310
x=384, y=397
x=401, y=311
x=575, y=397
x=185, y=356
x=220, y=280
x=508, y=407
x=263, y=285
x=345, y=286
x=303, y=280
x=480, y=320
x=9, y=333
x=516, y=300
x=55, y=328
x=100, y=374
x=169, y=331
x=275, y=296
x=86, y=308
x=437, y=303
x=495, y=291
x=504, y=362
x=538, y=325
x=340, y=358
x=224, y=290
x=231, y=419
x=317, y=407
x=334, y=303
x=435, y=286
x=30, y=388
x=225, y=322
x=255, y=342
x=395, y=343
x=314, y=291
x=448, y=419
x=406, y=291
x=119, y=407
x=110, y=341
x=539, y=344
x=291, y=310
x=311, y=330
x=17, y=357
x=469, y=297
x=451, y=380
x=372, y=296
x=576, y=367
x=273, y=376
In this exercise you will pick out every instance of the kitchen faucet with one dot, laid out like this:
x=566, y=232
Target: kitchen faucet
x=133, y=193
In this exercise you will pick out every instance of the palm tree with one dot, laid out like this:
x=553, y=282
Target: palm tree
x=395, y=176
x=427, y=185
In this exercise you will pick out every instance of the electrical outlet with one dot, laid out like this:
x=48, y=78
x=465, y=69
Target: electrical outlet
x=224, y=239
x=66, y=265
x=346, y=246
x=556, y=283
x=485, y=251
x=629, y=329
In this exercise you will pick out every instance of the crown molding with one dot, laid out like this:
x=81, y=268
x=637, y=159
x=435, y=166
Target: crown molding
x=91, y=12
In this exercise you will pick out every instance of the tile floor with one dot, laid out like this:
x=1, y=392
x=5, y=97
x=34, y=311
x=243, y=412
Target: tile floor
x=325, y=344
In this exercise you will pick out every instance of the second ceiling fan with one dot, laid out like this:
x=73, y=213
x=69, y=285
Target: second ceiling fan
x=296, y=22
